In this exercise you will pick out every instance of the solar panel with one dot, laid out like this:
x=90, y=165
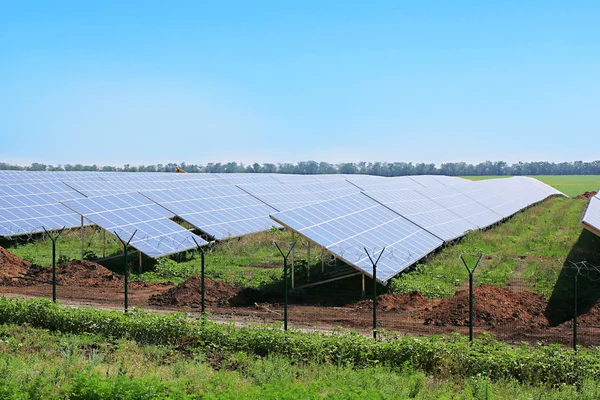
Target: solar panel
x=286, y=197
x=424, y=212
x=31, y=207
x=123, y=214
x=590, y=218
x=476, y=214
x=220, y=211
x=425, y=180
x=345, y=226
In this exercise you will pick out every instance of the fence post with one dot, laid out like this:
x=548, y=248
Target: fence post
x=54, y=239
x=471, y=294
x=285, y=278
x=374, y=264
x=126, y=280
x=201, y=276
x=575, y=310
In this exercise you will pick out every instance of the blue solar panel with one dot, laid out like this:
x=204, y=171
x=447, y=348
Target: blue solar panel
x=123, y=214
x=220, y=211
x=424, y=212
x=590, y=218
x=31, y=207
x=347, y=225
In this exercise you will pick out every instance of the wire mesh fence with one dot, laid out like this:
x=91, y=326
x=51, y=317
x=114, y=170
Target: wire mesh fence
x=246, y=284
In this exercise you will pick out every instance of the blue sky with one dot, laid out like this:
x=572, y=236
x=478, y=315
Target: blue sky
x=148, y=82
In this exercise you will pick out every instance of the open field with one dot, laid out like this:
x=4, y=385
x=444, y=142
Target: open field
x=571, y=185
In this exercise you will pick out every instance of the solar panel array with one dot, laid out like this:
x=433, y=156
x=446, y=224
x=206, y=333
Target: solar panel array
x=31, y=207
x=222, y=206
x=436, y=214
x=131, y=213
x=590, y=218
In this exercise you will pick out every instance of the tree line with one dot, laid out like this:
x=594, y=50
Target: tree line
x=486, y=168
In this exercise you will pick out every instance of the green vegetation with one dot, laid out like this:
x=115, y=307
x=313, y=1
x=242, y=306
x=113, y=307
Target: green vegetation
x=530, y=248
x=571, y=185
x=251, y=261
x=107, y=352
x=68, y=246
x=93, y=366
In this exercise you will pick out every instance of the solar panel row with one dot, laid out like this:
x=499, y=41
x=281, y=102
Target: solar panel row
x=408, y=223
x=229, y=205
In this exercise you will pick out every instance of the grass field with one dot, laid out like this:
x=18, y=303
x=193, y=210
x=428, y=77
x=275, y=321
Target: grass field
x=529, y=249
x=571, y=185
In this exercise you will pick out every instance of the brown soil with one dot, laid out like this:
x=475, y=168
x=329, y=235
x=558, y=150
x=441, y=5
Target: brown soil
x=189, y=293
x=11, y=267
x=395, y=302
x=494, y=307
x=586, y=195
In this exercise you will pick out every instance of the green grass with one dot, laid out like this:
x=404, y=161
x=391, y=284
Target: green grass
x=68, y=246
x=530, y=249
x=571, y=185
x=86, y=366
x=51, y=351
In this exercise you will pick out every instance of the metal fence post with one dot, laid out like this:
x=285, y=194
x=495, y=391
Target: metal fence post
x=126, y=280
x=202, y=296
x=471, y=293
x=285, y=278
x=374, y=264
x=54, y=239
x=575, y=311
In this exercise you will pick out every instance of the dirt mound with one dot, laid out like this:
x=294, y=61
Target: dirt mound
x=586, y=195
x=11, y=266
x=494, y=306
x=76, y=273
x=189, y=293
x=390, y=302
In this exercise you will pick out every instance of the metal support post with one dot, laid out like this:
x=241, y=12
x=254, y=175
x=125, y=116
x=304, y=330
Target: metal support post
x=202, y=295
x=126, y=283
x=308, y=261
x=81, y=234
x=293, y=280
x=575, y=311
x=374, y=263
x=364, y=292
x=285, y=267
x=471, y=294
x=140, y=262
x=54, y=239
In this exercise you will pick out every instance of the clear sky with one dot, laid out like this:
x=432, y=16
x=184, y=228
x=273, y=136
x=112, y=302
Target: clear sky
x=148, y=82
